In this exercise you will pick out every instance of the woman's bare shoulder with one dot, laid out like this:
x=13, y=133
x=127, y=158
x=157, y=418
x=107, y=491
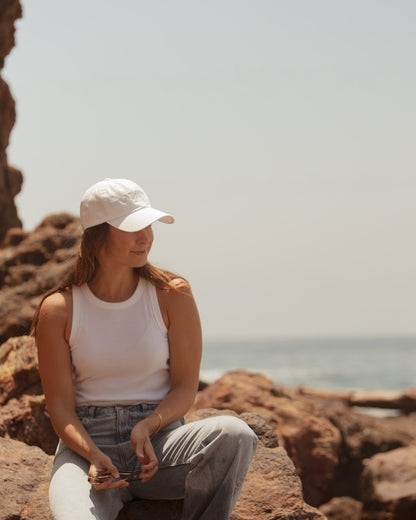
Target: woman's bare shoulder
x=180, y=289
x=56, y=304
x=178, y=300
x=180, y=285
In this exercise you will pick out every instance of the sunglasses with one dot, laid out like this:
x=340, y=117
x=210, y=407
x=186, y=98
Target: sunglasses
x=105, y=476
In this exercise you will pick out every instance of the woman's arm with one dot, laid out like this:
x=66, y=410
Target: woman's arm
x=56, y=374
x=181, y=316
x=185, y=345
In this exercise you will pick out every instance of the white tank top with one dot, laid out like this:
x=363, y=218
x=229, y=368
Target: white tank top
x=120, y=351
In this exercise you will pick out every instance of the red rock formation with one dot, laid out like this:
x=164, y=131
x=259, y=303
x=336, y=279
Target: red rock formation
x=23, y=414
x=24, y=481
x=311, y=441
x=32, y=264
x=10, y=178
x=362, y=435
x=388, y=485
x=342, y=508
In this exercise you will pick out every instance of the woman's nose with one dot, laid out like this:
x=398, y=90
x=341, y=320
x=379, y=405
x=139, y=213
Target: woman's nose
x=144, y=235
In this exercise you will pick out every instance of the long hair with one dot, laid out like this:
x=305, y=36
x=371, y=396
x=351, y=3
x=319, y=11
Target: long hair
x=86, y=265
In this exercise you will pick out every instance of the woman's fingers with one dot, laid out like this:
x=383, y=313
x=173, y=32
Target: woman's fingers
x=111, y=484
x=148, y=460
x=104, y=475
x=148, y=471
x=106, y=480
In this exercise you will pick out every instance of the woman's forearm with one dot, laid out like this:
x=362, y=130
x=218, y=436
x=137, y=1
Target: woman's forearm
x=69, y=428
x=173, y=407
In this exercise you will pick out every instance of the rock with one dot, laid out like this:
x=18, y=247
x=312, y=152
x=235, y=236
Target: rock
x=14, y=236
x=388, y=485
x=10, y=178
x=273, y=490
x=342, y=508
x=311, y=441
x=151, y=509
x=404, y=400
x=362, y=436
x=26, y=419
x=35, y=263
x=23, y=414
x=10, y=11
x=19, y=369
x=25, y=475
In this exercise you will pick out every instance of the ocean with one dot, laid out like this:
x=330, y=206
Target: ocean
x=338, y=363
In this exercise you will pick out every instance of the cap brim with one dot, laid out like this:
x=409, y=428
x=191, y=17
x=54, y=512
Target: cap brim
x=140, y=219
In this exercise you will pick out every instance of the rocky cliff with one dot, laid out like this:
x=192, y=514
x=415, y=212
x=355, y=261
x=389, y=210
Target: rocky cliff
x=10, y=178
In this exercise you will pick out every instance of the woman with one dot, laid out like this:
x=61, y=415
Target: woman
x=119, y=346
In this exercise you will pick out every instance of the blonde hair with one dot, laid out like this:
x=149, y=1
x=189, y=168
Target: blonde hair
x=86, y=265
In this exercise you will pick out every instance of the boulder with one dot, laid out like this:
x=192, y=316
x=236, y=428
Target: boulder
x=273, y=490
x=23, y=414
x=151, y=509
x=32, y=264
x=342, y=508
x=27, y=420
x=388, y=485
x=311, y=441
x=363, y=435
x=25, y=475
x=19, y=369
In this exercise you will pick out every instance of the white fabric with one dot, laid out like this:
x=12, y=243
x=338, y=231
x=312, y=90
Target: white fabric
x=120, y=351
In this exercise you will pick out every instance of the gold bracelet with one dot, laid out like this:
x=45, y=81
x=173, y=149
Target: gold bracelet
x=155, y=412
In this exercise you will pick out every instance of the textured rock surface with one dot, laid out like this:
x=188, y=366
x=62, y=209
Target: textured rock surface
x=32, y=264
x=342, y=508
x=19, y=370
x=24, y=481
x=362, y=437
x=273, y=490
x=388, y=485
x=23, y=414
x=311, y=441
x=10, y=178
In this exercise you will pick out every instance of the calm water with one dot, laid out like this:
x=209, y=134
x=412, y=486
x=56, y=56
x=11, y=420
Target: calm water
x=350, y=364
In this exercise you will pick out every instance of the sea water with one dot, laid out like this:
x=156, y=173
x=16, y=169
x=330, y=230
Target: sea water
x=337, y=363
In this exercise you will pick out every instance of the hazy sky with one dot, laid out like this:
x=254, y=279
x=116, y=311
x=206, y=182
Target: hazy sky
x=281, y=134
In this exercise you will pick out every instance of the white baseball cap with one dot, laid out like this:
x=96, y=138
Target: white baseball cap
x=122, y=204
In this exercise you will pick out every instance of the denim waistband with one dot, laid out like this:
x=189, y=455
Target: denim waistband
x=97, y=411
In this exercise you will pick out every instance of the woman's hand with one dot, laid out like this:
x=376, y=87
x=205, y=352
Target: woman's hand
x=102, y=472
x=142, y=445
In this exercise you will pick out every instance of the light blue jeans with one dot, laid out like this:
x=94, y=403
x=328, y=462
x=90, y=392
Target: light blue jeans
x=204, y=462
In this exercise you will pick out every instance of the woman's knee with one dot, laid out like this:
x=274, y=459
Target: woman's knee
x=235, y=435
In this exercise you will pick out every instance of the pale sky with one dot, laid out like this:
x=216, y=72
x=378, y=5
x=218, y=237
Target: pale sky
x=281, y=135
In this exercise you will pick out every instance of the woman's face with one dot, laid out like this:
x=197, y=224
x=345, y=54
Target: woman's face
x=129, y=249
